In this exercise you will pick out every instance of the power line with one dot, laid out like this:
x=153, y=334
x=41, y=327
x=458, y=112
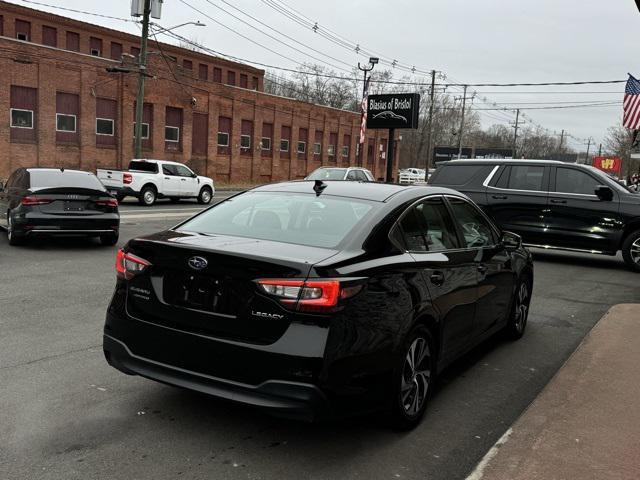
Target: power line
x=84, y=12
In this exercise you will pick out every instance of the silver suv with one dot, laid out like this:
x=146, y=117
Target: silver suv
x=356, y=174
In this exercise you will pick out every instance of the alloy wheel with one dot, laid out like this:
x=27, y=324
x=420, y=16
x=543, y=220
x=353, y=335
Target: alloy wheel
x=149, y=197
x=522, y=307
x=635, y=251
x=416, y=376
x=206, y=196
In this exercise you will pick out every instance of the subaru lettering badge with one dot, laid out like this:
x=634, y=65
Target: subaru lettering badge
x=198, y=263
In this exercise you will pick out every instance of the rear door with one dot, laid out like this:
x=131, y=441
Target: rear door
x=448, y=271
x=188, y=182
x=170, y=181
x=517, y=198
x=577, y=218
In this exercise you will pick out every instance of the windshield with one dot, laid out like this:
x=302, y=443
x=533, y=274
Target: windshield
x=328, y=174
x=39, y=179
x=292, y=218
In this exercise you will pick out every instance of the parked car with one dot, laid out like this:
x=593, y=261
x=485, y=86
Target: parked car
x=409, y=176
x=308, y=298
x=48, y=201
x=148, y=180
x=356, y=174
x=552, y=204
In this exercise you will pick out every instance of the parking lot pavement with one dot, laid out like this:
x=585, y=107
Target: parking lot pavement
x=65, y=414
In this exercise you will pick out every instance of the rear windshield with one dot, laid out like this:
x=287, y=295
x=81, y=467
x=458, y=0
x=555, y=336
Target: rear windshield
x=282, y=217
x=39, y=179
x=455, y=174
x=143, y=166
x=328, y=174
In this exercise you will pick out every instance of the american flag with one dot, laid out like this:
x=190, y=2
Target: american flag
x=363, y=123
x=631, y=105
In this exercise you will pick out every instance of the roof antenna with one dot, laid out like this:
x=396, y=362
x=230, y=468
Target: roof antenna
x=62, y=169
x=319, y=187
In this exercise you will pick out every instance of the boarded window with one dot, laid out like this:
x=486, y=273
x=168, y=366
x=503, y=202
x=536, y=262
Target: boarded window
x=73, y=41
x=244, y=83
x=266, y=141
x=203, y=72
x=23, y=30
x=200, y=134
x=317, y=145
x=67, y=117
x=217, y=74
x=49, y=36
x=285, y=142
x=147, y=125
x=231, y=77
x=135, y=51
x=23, y=114
x=245, y=137
x=255, y=83
x=116, y=51
x=303, y=139
x=106, y=115
x=95, y=46
x=173, y=129
x=187, y=64
x=224, y=135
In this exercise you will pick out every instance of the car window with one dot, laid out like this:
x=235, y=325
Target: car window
x=142, y=166
x=475, y=228
x=50, y=178
x=369, y=175
x=456, y=174
x=183, y=171
x=526, y=177
x=361, y=176
x=503, y=180
x=169, y=170
x=327, y=174
x=351, y=175
x=428, y=227
x=570, y=180
x=292, y=218
x=12, y=179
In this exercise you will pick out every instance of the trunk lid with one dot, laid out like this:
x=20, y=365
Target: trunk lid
x=72, y=201
x=205, y=284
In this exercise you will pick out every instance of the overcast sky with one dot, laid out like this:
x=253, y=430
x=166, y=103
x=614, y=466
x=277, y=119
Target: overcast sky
x=471, y=41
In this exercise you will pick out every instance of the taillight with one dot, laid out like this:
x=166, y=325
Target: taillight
x=128, y=265
x=307, y=296
x=110, y=202
x=127, y=178
x=28, y=201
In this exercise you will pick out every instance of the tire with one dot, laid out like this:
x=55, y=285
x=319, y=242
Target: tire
x=109, y=239
x=519, y=314
x=631, y=251
x=413, y=384
x=205, y=196
x=13, y=237
x=148, y=196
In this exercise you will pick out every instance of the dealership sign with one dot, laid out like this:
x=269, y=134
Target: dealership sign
x=608, y=164
x=394, y=110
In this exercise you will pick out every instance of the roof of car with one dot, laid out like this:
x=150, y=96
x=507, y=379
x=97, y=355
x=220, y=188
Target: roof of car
x=56, y=170
x=378, y=192
x=496, y=161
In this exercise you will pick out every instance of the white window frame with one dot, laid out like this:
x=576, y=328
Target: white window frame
x=245, y=147
x=97, y=52
x=345, y=151
x=143, y=136
x=268, y=139
x=165, y=134
x=317, y=148
x=19, y=34
x=284, y=149
x=331, y=150
x=75, y=122
x=113, y=127
x=304, y=147
x=20, y=110
x=218, y=139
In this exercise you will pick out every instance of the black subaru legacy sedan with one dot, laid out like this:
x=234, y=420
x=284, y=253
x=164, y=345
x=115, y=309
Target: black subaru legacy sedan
x=52, y=201
x=313, y=298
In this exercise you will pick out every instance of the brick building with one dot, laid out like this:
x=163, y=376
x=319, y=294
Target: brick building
x=64, y=109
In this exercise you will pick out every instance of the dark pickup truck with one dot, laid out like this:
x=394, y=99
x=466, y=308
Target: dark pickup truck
x=552, y=204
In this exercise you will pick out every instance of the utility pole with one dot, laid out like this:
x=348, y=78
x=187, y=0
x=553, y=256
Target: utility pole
x=600, y=150
x=586, y=158
x=561, y=139
x=464, y=103
x=515, y=132
x=372, y=63
x=430, y=125
x=142, y=74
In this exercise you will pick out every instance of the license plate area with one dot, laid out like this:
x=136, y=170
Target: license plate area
x=195, y=291
x=73, y=206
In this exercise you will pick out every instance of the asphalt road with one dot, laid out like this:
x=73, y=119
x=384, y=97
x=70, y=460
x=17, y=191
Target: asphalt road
x=65, y=414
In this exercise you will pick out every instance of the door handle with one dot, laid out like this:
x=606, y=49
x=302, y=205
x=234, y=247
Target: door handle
x=499, y=197
x=556, y=200
x=183, y=179
x=167, y=178
x=437, y=278
x=482, y=268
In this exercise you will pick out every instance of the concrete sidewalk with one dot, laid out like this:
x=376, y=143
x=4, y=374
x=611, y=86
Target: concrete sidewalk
x=585, y=424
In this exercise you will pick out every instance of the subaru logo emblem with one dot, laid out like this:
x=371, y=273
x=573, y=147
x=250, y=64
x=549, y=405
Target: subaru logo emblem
x=198, y=263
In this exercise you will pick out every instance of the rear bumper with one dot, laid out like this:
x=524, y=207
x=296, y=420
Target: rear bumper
x=290, y=399
x=123, y=191
x=36, y=223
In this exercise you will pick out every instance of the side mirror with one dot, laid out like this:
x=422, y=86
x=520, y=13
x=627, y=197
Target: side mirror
x=604, y=193
x=511, y=241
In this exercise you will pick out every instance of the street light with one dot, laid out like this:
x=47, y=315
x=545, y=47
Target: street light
x=372, y=62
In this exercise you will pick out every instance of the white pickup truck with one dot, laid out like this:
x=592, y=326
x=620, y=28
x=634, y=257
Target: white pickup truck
x=148, y=180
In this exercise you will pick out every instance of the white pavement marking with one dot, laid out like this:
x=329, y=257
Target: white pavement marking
x=152, y=211
x=152, y=216
x=478, y=472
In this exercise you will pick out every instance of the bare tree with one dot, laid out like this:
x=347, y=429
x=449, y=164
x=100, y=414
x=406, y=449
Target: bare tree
x=618, y=142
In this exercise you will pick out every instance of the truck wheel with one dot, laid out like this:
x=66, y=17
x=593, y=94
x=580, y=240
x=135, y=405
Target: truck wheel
x=205, y=196
x=631, y=251
x=147, y=196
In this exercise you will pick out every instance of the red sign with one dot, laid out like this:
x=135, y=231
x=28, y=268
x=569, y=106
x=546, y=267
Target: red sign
x=608, y=164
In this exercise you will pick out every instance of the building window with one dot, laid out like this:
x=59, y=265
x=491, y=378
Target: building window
x=345, y=151
x=104, y=126
x=302, y=147
x=317, y=148
x=223, y=139
x=145, y=131
x=255, y=83
x=95, y=46
x=331, y=150
x=171, y=134
x=23, y=30
x=245, y=141
x=200, y=134
x=284, y=145
x=217, y=74
x=21, y=118
x=73, y=41
x=244, y=83
x=22, y=36
x=265, y=143
x=135, y=51
x=49, y=36
x=188, y=64
x=65, y=123
x=203, y=72
x=116, y=51
x=231, y=78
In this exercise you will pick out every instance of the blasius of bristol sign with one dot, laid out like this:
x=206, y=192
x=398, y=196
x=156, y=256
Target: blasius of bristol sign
x=394, y=110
